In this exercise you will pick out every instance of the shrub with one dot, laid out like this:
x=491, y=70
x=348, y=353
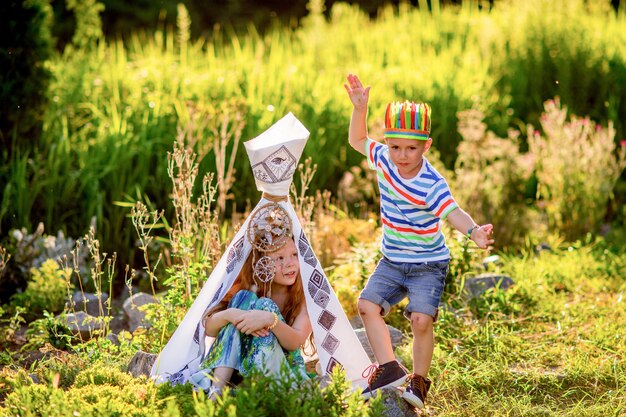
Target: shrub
x=24, y=78
x=46, y=290
x=490, y=178
x=353, y=269
x=269, y=396
x=577, y=166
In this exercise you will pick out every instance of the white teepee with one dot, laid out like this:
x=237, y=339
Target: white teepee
x=274, y=157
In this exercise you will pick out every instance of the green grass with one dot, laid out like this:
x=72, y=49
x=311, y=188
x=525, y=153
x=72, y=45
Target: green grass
x=551, y=345
x=560, y=351
x=114, y=111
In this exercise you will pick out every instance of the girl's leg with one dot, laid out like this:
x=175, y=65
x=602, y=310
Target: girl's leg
x=221, y=376
x=225, y=354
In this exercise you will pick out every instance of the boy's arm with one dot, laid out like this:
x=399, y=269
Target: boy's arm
x=359, y=97
x=462, y=222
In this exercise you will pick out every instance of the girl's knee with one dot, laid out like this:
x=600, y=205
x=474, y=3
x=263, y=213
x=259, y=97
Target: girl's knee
x=266, y=304
x=242, y=298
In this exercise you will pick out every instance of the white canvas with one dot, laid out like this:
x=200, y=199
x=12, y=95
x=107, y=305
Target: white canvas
x=274, y=156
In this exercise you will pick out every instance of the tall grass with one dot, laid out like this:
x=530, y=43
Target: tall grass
x=114, y=109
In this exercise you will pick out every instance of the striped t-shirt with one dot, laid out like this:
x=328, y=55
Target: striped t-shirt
x=411, y=210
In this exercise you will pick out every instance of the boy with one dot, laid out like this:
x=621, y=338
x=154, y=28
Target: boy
x=414, y=198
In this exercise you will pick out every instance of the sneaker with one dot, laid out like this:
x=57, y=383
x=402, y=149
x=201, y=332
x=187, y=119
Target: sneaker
x=391, y=374
x=415, y=393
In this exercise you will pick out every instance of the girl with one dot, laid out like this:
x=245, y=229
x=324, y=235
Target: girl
x=260, y=324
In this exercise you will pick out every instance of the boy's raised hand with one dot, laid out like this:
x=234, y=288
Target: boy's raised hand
x=358, y=95
x=482, y=236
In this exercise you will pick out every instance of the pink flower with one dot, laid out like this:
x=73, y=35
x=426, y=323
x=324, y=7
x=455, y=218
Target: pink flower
x=622, y=143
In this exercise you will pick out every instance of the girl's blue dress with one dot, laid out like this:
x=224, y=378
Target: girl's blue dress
x=244, y=353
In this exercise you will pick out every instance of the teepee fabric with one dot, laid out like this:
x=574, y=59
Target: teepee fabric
x=274, y=157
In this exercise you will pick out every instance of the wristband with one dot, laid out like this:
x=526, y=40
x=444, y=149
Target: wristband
x=275, y=322
x=470, y=230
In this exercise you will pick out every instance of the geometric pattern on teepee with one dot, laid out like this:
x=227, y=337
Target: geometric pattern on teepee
x=330, y=343
x=217, y=295
x=307, y=251
x=277, y=167
x=320, y=281
x=234, y=255
x=177, y=377
x=321, y=299
x=196, y=335
x=327, y=320
x=332, y=363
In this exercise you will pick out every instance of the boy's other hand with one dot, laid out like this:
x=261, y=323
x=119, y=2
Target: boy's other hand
x=482, y=236
x=358, y=95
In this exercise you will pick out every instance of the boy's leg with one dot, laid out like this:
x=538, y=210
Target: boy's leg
x=425, y=289
x=376, y=330
x=423, y=343
x=382, y=290
x=388, y=372
x=423, y=346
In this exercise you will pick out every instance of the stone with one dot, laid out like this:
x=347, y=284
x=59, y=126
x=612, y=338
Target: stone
x=141, y=364
x=84, y=326
x=397, y=338
x=89, y=303
x=492, y=260
x=394, y=405
x=134, y=316
x=118, y=323
x=114, y=339
x=356, y=322
x=543, y=247
x=476, y=286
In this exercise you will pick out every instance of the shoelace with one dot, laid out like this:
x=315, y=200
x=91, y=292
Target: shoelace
x=371, y=373
x=418, y=384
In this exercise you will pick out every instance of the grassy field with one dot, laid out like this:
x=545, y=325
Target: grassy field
x=553, y=344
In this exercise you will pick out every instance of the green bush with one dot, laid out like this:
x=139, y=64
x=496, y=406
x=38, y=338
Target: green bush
x=490, y=178
x=577, y=166
x=25, y=48
x=46, y=291
x=114, y=112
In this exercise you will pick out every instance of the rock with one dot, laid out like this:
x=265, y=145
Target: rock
x=84, y=326
x=356, y=322
x=475, y=286
x=90, y=303
x=114, y=339
x=118, y=323
x=134, y=316
x=492, y=260
x=544, y=247
x=141, y=364
x=394, y=405
x=397, y=339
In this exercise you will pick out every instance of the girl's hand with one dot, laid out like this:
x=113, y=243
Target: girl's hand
x=359, y=96
x=482, y=236
x=234, y=315
x=255, y=321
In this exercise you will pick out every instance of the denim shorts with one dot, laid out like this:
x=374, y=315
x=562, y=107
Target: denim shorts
x=392, y=281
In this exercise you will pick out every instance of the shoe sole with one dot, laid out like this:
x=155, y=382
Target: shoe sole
x=393, y=384
x=414, y=400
